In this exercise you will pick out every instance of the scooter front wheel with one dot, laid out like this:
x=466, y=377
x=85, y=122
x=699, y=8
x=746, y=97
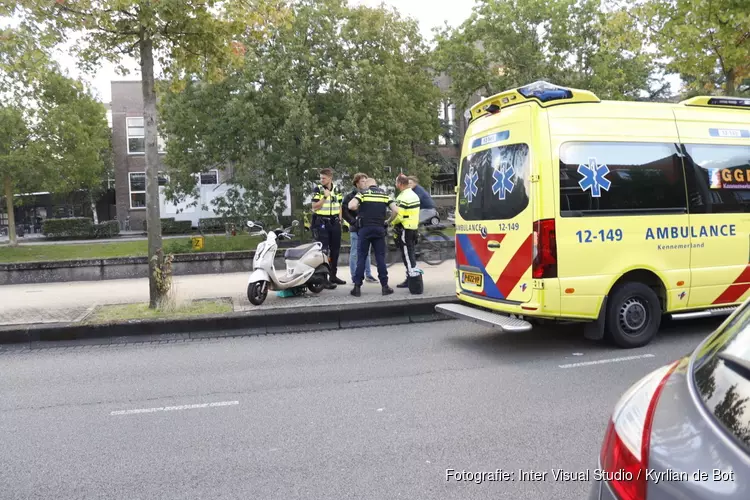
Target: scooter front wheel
x=257, y=292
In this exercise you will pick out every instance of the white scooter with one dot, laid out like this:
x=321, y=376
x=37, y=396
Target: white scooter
x=306, y=266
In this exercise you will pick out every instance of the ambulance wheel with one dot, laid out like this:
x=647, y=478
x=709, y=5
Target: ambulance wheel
x=633, y=315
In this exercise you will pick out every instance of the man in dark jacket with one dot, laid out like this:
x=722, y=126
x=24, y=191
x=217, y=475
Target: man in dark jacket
x=428, y=209
x=350, y=216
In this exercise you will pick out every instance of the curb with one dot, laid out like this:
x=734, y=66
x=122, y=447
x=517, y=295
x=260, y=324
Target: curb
x=275, y=321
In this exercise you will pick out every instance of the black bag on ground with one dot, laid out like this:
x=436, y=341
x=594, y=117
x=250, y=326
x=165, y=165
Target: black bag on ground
x=416, y=285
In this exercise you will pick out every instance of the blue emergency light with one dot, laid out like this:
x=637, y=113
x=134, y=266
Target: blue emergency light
x=545, y=92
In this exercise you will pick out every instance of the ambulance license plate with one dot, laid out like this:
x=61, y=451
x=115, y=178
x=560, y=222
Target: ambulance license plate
x=473, y=278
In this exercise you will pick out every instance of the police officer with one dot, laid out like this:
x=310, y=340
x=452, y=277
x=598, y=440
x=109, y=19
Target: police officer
x=326, y=205
x=407, y=224
x=350, y=220
x=372, y=205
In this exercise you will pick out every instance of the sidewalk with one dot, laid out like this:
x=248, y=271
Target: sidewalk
x=72, y=301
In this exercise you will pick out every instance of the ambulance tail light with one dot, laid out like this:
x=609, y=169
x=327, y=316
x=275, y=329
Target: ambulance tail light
x=625, y=451
x=545, y=250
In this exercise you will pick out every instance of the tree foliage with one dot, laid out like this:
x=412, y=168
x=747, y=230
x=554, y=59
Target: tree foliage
x=706, y=41
x=53, y=133
x=186, y=38
x=578, y=43
x=335, y=86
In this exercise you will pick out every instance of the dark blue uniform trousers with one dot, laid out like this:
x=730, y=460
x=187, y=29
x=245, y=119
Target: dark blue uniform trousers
x=371, y=236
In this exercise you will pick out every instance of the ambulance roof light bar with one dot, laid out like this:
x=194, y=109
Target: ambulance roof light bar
x=543, y=93
x=722, y=102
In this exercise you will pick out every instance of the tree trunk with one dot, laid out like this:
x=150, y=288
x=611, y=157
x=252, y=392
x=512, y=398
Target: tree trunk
x=8, y=188
x=731, y=89
x=93, y=208
x=152, y=167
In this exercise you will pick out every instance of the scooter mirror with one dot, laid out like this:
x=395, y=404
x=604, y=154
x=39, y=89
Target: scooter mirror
x=295, y=223
x=250, y=223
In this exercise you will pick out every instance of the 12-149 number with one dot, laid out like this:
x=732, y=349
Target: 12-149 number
x=601, y=235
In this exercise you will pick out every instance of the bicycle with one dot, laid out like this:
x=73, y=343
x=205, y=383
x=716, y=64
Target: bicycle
x=431, y=247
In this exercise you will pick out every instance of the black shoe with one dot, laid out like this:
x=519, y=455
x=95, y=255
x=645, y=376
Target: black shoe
x=371, y=279
x=329, y=286
x=337, y=281
x=405, y=284
x=356, y=291
x=387, y=290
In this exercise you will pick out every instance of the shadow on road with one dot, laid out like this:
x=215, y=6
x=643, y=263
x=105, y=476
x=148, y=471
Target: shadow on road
x=556, y=340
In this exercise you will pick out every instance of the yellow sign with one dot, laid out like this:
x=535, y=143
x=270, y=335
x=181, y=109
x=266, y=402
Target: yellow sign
x=197, y=242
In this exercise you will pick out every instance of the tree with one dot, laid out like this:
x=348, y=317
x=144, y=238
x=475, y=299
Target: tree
x=75, y=124
x=509, y=43
x=706, y=41
x=53, y=133
x=335, y=86
x=186, y=37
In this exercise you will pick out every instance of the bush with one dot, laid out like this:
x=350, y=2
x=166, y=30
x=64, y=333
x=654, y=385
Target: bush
x=72, y=227
x=107, y=229
x=171, y=226
x=212, y=225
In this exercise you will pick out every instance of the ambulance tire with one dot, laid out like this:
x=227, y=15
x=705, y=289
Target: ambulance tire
x=633, y=315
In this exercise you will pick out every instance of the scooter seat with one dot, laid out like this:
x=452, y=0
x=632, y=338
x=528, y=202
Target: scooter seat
x=297, y=252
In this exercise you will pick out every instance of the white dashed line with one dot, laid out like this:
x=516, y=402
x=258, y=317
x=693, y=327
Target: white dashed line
x=175, y=408
x=606, y=361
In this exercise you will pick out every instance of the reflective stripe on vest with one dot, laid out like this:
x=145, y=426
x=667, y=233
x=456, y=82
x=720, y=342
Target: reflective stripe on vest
x=408, y=209
x=331, y=206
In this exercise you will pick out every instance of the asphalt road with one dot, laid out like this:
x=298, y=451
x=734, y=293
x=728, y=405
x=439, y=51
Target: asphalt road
x=377, y=413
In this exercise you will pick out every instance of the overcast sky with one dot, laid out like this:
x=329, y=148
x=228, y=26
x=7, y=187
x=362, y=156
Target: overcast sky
x=429, y=14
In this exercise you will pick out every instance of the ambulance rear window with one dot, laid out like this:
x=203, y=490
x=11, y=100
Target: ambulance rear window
x=620, y=178
x=494, y=183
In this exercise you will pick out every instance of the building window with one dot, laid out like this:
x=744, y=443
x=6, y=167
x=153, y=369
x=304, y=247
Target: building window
x=137, y=190
x=452, y=115
x=210, y=178
x=137, y=137
x=441, y=116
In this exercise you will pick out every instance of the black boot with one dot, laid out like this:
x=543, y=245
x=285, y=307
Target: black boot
x=356, y=291
x=336, y=281
x=405, y=284
x=387, y=290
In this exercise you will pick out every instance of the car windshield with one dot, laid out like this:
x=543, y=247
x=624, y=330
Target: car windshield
x=722, y=377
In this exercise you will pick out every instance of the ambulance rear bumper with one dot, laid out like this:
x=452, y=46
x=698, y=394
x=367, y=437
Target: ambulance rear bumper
x=484, y=318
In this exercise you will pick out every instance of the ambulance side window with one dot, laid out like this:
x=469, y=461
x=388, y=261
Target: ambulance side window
x=718, y=178
x=494, y=183
x=621, y=178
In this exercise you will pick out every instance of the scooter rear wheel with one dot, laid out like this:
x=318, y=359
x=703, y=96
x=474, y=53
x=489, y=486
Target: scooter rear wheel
x=316, y=286
x=257, y=292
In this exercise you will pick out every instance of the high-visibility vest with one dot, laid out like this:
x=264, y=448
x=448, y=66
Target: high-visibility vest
x=332, y=205
x=408, y=209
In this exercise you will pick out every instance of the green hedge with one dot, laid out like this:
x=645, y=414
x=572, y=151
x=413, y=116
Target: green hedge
x=107, y=229
x=72, y=227
x=79, y=228
x=171, y=226
x=212, y=225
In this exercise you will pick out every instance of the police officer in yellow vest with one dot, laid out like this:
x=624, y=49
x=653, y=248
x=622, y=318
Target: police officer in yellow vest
x=326, y=224
x=407, y=225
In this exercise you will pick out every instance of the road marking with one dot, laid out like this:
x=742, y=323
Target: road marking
x=175, y=408
x=605, y=361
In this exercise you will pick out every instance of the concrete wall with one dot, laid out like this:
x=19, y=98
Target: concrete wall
x=137, y=267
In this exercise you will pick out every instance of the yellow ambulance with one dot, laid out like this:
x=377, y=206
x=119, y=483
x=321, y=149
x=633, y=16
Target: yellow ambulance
x=611, y=213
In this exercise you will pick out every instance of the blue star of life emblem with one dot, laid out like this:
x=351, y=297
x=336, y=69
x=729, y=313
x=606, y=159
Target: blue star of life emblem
x=470, y=185
x=594, y=178
x=503, y=180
